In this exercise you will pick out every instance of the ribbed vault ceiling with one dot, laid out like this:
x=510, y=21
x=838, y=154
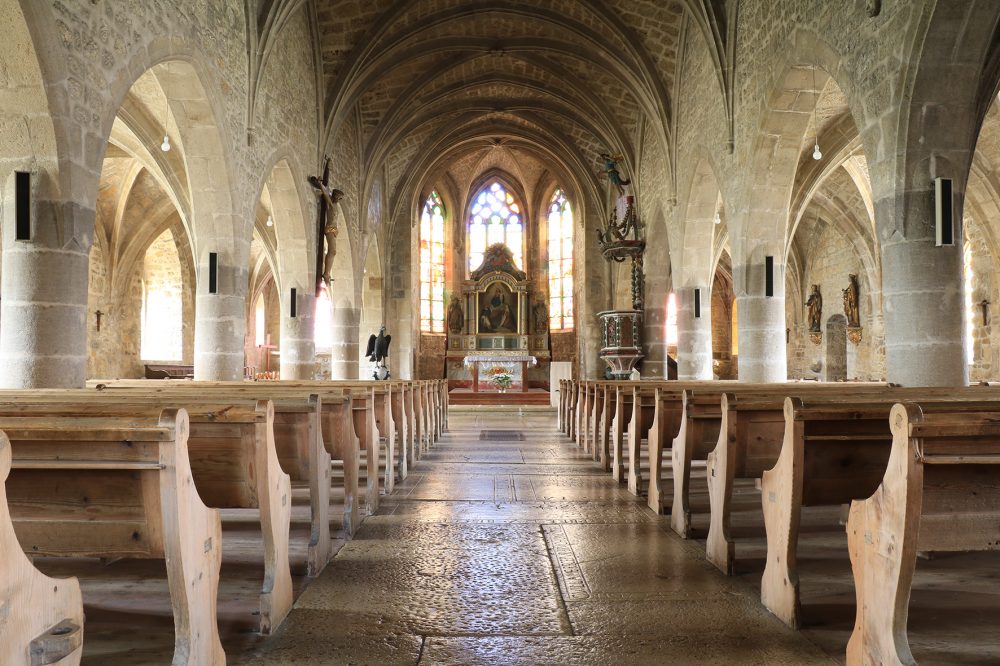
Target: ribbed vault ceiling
x=568, y=78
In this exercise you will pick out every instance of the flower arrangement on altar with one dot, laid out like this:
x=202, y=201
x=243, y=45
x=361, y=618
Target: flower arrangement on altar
x=501, y=377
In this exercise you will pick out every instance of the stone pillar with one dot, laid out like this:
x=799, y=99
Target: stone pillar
x=298, y=346
x=763, y=357
x=344, y=353
x=43, y=321
x=923, y=301
x=654, y=325
x=694, y=335
x=220, y=322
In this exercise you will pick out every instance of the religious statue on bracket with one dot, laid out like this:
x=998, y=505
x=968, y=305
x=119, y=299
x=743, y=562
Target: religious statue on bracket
x=327, y=225
x=815, y=305
x=456, y=318
x=541, y=313
x=851, y=311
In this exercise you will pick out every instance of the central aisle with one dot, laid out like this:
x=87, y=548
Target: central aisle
x=521, y=551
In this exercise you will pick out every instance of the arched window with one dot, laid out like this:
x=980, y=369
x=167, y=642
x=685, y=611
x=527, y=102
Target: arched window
x=671, y=324
x=970, y=338
x=432, y=265
x=495, y=218
x=560, y=263
x=162, y=310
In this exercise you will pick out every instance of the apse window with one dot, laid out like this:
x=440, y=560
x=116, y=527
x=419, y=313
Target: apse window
x=560, y=263
x=495, y=218
x=162, y=312
x=432, y=265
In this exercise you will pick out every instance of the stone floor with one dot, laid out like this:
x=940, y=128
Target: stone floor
x=523, y=552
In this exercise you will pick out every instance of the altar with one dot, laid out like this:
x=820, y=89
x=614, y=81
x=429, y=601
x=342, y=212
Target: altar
x=486, y=367
x=499, y=324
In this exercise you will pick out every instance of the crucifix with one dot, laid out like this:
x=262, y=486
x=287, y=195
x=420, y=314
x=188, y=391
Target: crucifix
x=98, y=314
x=326, y=226
x=265, y=349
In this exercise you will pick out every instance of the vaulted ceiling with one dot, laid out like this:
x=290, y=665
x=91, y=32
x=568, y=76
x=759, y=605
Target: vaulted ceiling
x=567, y=78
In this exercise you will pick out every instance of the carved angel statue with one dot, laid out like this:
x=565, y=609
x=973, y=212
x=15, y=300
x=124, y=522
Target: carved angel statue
x=611, y=167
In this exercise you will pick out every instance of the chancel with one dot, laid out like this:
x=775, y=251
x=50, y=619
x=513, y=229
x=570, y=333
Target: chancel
x=499, y=332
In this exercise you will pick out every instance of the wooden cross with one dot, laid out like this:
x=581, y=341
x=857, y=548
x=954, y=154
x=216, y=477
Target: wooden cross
x=324, y=211
x=984, y=304
x=266, y=349
x=98, y=314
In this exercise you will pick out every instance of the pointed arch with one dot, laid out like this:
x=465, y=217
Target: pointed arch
x=432, y=264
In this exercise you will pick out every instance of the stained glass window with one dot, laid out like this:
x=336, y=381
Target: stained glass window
x=560, y=263
x=432, y=265
x=495, y=218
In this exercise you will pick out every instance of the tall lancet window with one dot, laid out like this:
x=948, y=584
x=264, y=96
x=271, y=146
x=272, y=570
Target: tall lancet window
x=495, y=218
x=560, y=263
x=432, y=265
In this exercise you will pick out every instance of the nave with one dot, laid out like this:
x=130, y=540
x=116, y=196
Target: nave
x=524, y=552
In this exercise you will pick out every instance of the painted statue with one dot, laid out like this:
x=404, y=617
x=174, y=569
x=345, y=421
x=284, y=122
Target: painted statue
x=611, y=168
x=456, y=318
x=815, y=305
x=851, y=302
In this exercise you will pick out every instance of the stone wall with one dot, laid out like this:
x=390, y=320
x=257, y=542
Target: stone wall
x=831, y=258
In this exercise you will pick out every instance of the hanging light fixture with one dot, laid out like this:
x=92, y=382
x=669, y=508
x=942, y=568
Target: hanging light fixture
x=718, y=218
x=817, y=154
x=269, y=221
x=165, y=146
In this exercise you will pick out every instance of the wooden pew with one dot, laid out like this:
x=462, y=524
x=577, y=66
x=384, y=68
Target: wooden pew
x=939, y=493
x=403, y=430
x=641, y=420
x=832, y=453
x=337, y=425
x=42, y=617
x=232, y=457
x=621, y=418
x=751, y=436
x=121, y=488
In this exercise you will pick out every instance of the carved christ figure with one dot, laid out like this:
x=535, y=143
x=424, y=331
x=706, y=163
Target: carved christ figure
x=815, y=305
x=329, y=218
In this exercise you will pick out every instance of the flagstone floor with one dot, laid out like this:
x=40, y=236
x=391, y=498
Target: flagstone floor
x=523, y=552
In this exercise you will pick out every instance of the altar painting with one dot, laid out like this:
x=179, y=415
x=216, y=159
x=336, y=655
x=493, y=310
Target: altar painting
x=498, y=309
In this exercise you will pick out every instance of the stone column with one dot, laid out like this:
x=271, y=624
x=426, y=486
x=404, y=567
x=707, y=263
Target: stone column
x=694, y=335
x=344, y=353
x=220, y=322
x=654, y=325
x=763, y=357
x=298, y=346
x=922, y=296
x=43, y=321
